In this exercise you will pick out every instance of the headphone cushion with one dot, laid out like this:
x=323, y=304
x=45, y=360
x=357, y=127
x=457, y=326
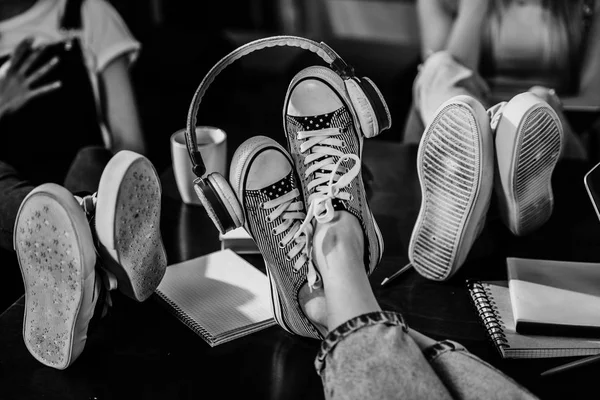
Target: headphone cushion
x=370, y=106
x=228, y=197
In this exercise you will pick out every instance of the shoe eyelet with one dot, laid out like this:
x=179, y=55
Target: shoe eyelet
x=351, y=197
x=288, y=258
x=343, y=146
x=274, y=232
x=268, y=218
x=281, y=245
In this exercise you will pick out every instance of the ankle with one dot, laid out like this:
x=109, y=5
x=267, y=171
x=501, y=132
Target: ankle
x=341, y=233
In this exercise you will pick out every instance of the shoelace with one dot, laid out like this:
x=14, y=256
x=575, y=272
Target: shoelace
x=328, y=181
x=291, y=213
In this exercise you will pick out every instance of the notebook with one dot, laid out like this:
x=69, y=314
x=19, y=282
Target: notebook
x=556, y=298
x=239, y=241
x=492, y=302
x=219, y=296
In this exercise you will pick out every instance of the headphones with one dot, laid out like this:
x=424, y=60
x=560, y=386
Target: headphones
x=369, y=111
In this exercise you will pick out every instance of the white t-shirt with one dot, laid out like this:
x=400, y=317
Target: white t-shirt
x=104, y=36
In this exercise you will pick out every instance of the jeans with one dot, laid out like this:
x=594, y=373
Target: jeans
x=373, y=357
x=83, y=177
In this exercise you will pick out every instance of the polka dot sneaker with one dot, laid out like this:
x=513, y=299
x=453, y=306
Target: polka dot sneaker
x=263, y=178
x=326, y=147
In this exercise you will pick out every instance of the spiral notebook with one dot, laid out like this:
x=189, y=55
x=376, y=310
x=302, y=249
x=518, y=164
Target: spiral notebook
x=219, y=296
x=492, y=302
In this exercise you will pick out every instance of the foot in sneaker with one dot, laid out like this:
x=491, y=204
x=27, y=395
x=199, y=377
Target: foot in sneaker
x=55, y=249
x=326, y=146
x=455, y=168
x=528, y=139
x=127, y=223
x=263, y=178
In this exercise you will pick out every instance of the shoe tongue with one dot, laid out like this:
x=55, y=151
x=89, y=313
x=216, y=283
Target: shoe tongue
x=315, y=122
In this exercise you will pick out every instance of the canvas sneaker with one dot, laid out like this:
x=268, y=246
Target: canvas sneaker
x=455, y=164
x=263, y=178
x=528, y=140
x=326, y=143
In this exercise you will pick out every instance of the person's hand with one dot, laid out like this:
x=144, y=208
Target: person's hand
x=17, y=78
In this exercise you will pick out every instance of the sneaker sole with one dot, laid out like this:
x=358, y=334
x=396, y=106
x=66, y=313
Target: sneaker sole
x=528, y=145
x=332, y=79
x=453, y=162
x=128, y=224
x=55, y=249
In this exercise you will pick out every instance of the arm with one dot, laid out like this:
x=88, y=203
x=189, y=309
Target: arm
x=119, y=106
x=459, y=34
x=589, y=86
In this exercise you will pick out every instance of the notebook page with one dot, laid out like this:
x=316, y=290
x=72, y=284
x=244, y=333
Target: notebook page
x=220, y=291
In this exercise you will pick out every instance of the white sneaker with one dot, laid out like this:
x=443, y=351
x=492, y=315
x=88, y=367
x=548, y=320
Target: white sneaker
x=528, y=139
x=455, y=164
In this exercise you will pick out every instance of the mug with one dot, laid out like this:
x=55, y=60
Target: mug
x=212, y=145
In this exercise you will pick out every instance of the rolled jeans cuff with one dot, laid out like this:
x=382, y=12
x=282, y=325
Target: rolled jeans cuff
x=434, y=351
x=347, y=328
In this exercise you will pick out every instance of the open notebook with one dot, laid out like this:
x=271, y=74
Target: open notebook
x=219, y=296
x=492, y=301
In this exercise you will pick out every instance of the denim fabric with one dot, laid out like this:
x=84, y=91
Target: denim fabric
x=83, y=177
x=373, y=357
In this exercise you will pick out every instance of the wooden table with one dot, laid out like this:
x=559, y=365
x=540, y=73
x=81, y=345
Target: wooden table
x=141, y=351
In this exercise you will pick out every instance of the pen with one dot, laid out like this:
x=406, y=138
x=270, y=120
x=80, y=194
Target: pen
x=397, y=274
x=571, y=365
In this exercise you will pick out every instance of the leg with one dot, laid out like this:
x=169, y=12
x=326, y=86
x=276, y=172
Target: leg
x=13, y=189
x=372, y=354
x=87, y=167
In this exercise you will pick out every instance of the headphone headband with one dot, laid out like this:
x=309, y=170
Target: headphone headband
x=321, y=49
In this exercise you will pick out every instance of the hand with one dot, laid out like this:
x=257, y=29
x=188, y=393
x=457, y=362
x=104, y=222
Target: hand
x=16, y=78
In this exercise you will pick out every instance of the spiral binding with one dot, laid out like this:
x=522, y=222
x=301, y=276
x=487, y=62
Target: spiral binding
x=186, y=319
x=488, y=313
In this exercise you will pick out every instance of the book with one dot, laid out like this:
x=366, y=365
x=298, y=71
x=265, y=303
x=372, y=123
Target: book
x=555, y=298
x=239, y=241
x=492, y=302
x=220, y=296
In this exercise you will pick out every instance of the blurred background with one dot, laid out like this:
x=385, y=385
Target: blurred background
x=378, y=37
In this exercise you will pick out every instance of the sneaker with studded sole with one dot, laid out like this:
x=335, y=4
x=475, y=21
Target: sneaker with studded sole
x=455, y=168
x=528, y=140
x=127, y=223
x=56, y=254
x=263, y=178
x=326, y=145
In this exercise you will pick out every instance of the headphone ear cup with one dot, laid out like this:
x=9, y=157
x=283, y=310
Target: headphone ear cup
x=370, y=106
x=220, y=202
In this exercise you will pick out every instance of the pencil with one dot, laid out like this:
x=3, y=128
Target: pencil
x=571, y=365
x=396, y=274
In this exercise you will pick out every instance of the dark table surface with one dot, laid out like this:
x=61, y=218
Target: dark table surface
x=142, y=351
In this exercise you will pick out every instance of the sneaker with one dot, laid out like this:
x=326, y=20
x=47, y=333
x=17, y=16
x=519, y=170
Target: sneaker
x=263, y=178
x=455, y=165
x=529, y=137
x=56, y=254
x=127, y=224
x=326, y=145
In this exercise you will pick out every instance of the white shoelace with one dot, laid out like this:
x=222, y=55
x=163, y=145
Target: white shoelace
x=291, y=213
x=328, y=181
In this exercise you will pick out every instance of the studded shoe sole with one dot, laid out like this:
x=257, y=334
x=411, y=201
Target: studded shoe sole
x=528, y=144
x=455, y=169
x=128, y=224
x=54, y=246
